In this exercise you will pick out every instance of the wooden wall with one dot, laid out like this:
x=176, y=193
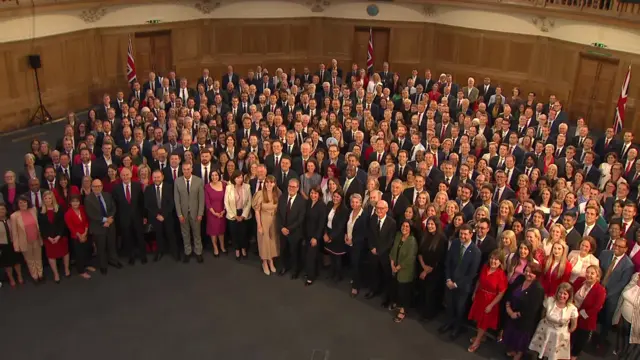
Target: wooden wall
x=79, y=67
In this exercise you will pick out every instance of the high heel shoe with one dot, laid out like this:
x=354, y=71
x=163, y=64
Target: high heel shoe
x=266, y=271
x=272, y=268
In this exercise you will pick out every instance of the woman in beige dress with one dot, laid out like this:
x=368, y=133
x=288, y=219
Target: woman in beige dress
x=265, y=204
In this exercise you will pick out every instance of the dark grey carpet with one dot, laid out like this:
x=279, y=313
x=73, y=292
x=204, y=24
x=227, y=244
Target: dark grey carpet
x=220, y=309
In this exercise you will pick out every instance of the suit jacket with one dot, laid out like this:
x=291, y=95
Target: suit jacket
x=592, y=304
x=283, y=182
x=292, y=218
x=168, y=174
x=315, y=220
x=4, y=190
x=528, y=305
x=49, y=229
x=94, y=213
x=381, y=239
x=231, y=202
x=573, y=239
x=473, y=96
x=462, y=270
x=77, y=173
x=167, y=205
x=486, y=247
x=596, y=232
x=355, y=187
x=129, y=213
x=189, y=203
x=18, y=233
x=397, y=210
x=619, y=278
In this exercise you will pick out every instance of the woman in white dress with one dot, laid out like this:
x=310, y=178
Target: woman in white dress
x=560, y=319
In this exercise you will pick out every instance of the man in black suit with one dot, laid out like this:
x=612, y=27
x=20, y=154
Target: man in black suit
x=256, y=184
x=396, y=200
x=290, y=217
x=461, y=268
x=351, y=185
x=382, y=229
x=485, y=242
x=589, y=227
x=86, y=168
x=272, y=162
x=129, y=201
x=285, y=173
x=486, y=90
x=335, y=158
x=628, y=225
x=466, y=206
x=573, y=238
x=291, y=148
x=174, y=170
x=592, y=173
x=159, y=206
x=230, y=77
x=502, y=191
x=101, y=210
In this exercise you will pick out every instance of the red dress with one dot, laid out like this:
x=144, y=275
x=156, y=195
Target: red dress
x=61, y=248
x=490, y=285
x=62, y=200
x=550, y=280
x=76, y=224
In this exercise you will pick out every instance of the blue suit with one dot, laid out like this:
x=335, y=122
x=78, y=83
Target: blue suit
x=618, y=279
x=462, y=270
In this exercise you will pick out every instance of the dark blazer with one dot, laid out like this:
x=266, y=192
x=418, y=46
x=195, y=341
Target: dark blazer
x=507, y=194
x=592, y=304
x=360, y=228
x=315, y=220
x=168, y=174
x=48, y=229
x=528, y=305
x=77, y=173
x=356, y=187
x=396, y=211
x=129, y=213
x=151, y=203
x=573, y=239
x=281, y=182
x=463, y=270
x=338, y=224
x=619, y=278
x=20, y=189
x=292, y=219
x=382, y=239
x=23, y=178
x=488, y=245
x=92, y=207
x=596, y=232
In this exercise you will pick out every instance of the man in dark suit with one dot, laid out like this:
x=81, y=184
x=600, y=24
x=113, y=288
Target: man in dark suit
x=351, y=185
x=86, y=168
x=485, y=242
x=396, y=200
x=486, y=90
x=101, y=210
x=173, y=171
x=335, y=158
x=382, y=229
x=230, y=77
x=461, y=268
x=272, y=162
x=589, y=227
x=592, y=173
x=628, y=225
x=160, y=206
x=285, y=173
x=502, y=191
x=573, y=238
x=290, y=217
x=617, y=270
x=466, y=206
x=129, y=201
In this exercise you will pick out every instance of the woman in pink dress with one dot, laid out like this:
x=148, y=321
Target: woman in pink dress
x=214, y=202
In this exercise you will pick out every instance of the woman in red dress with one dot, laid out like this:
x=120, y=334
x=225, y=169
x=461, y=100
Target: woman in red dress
x=557, y=269
x=128, y=163
x=112, y=178
x=63, y=191
x=547, y=159
x=78, y=225
x=52, y=229
x=490, y=289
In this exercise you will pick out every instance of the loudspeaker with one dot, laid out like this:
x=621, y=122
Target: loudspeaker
x=34, y=61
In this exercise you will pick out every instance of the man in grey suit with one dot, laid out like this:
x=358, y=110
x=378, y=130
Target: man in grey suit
x=188, y=192
x=165, y=89
x=617, y=270
x=470, y=91
x=101, y=210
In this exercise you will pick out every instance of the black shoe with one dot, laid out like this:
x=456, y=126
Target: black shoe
x=238, y=258
x=444, y=328
x=454, y=334
x=143, y=260
x=185, y=259
x=57, y=282
x=216, y=255
x=370, y=295
x=199, y=259
x=157, y=257
x=282, y=272
x=103, y=271
x=132, y=261
x=117, y=264
x=294, y=276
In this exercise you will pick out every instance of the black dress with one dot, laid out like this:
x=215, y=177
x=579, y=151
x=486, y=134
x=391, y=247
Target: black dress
x=8, y=256
x=432, y=286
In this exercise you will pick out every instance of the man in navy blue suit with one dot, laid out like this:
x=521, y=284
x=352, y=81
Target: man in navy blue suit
x=461, y=267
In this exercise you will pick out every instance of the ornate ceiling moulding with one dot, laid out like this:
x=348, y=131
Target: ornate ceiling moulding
x=543, y=23
x=428, y=10
x=207, y=6
x=93, y=15
x=318, y=5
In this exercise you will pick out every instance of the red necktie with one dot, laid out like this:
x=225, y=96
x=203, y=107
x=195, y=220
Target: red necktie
x=444, y=128
x=379, y=158
x=628, y=169
x=50, y=186
x=127, y=194
x=549, y=224
x=35, y=195
x=518, y=209
x=435, y=159
x=625, y=227
x=175, y=175
x=393, y=203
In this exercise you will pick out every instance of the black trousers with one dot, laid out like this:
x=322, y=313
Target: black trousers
x=311, y=259
x=106, y=247
x=605, y=318
x=579, y=340
x=290, y=253
x=133, y=240
x=82, y=252
x=400, y=293
x=357, y=253
x=165, y=236
x=432, y=294
x=456, y=303
x=380, y=273
x=336, y=265
x=239, y=234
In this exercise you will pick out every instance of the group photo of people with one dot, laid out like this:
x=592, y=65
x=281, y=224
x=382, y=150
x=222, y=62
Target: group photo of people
x=488, y=208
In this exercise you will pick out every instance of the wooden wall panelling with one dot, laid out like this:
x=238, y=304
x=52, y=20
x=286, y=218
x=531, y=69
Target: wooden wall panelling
x=405, y=50
x=337, y=40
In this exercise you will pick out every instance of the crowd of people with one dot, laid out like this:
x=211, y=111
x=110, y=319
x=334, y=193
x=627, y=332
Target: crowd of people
x=423, y=192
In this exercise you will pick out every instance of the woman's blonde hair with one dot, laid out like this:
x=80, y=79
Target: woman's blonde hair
x=43, y=207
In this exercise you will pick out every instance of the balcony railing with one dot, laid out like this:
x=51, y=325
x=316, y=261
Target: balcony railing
x=627, y=9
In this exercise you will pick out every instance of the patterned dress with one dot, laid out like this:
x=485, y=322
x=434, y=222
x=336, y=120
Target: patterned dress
x=552, y=336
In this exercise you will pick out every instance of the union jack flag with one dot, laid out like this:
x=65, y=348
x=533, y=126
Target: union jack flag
x=131, y=64
x=370, y=53
x=618, y=123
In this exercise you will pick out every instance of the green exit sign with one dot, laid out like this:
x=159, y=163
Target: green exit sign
x=599, y=45
x=153, y=21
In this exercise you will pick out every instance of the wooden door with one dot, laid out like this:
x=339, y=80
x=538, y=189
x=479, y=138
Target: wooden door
x=380, y=47
x=360, y=46
x=153, y=52
x=592, y=92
